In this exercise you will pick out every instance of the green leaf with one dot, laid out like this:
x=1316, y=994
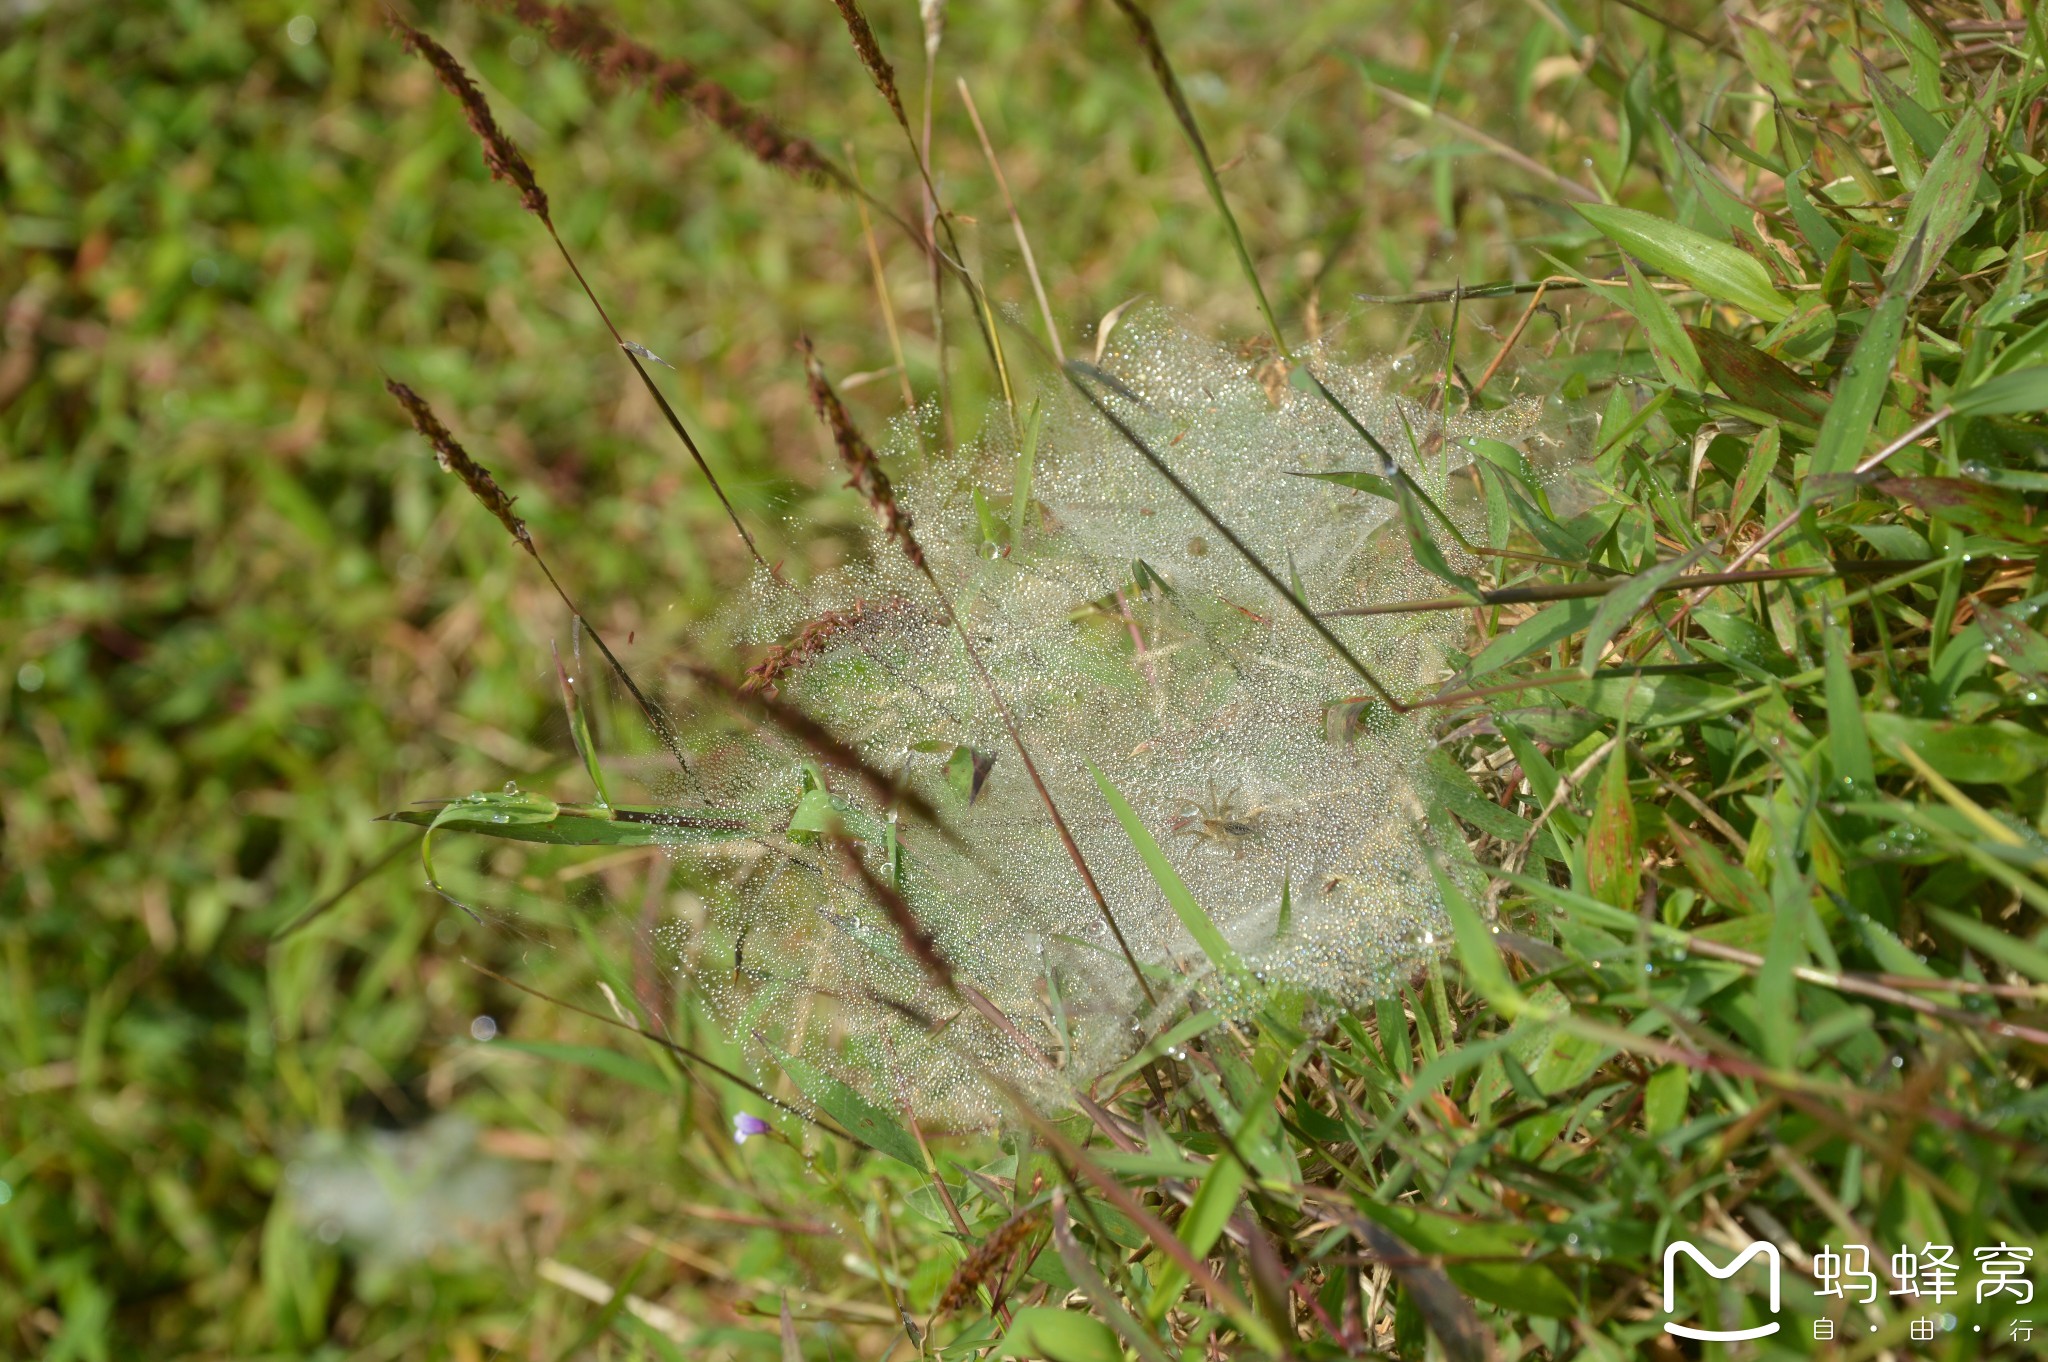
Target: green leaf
x=1027, y=459
x=1046, y=1331
x=1806, y=334
x=1423, y=545
x=579, y=729
x=2019, y=393
x=1191, y=915
x=1713, y=267
x=1988, y=752
x=1848, y=741
x=1664, y=1099
x=1756, y=471
x=1620, y=605
x=1525, y=1288
x=1653, y=701
x=1550, y=625
x=2025, y=956
x=1484, y=969
x=576, y=825
x=1943, y=207
x=625, y=1068
x=879, y=1130
x=1669, y=346
x=1865, y=380
x=1358, y=481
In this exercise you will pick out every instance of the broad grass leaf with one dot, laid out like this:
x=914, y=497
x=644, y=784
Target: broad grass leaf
x=1653, y=701
x=1988, y=752
x=860, y=1118
x=1866, y=378
x=1046, y=1331
x=1806, y=334
x=1428, y=556
x=1664, y=1099
x=1715, y=268
x=1669, y=345
x=2028, y=957
x=2021, y=392
x=1725, y=883
x=1974, y=505
x=1550, y=625
x=1943, y=207
x=1484, y=969
x=1613, y=874
x=1191, y=914
x=1620, y=605
x=1729, y=211
x=1757, y=380
x=1456, y=793
x=1848, y=742
x=1756, y=471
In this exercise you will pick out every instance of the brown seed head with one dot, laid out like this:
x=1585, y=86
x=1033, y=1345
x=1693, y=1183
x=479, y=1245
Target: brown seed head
x=988, y=1255
x=616, y=59
x=812, y=638
x=500, y=153
x=865, y=470
x=871, y=57
x=454, y=459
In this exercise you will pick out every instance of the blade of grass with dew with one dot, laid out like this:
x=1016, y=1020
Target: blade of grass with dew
x=1197, y=922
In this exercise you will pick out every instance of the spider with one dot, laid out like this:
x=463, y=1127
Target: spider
x=1219, y=823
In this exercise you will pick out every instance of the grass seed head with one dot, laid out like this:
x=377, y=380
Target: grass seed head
x=988, y=1256
x=864, y=469
x=501, y=154
x=871, y=56
x=617, y=59
x=453, y=458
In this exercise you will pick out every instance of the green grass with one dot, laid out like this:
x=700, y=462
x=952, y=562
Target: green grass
x=245, y=615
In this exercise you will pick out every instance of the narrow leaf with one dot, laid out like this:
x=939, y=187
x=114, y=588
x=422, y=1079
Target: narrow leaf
x=1715, y=268
x=1191, y=915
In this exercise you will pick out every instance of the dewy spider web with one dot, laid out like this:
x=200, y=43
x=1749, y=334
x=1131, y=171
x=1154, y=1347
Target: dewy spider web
x=1126, y=639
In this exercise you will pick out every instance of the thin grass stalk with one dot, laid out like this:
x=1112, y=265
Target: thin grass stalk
x=679, y=1050
x=452, y=457
x=988, y=151
x=874, y=486
x=1074, y=370
x=867, y=236
x=1169, y=83
x=869, y=50
x=507, y=163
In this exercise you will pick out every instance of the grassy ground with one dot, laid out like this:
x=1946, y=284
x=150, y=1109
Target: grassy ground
x=245, y=614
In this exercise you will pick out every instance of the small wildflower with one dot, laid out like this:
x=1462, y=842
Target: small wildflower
x=745, y=1125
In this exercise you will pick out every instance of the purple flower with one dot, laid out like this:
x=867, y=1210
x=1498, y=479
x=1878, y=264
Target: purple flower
x=744, y=1125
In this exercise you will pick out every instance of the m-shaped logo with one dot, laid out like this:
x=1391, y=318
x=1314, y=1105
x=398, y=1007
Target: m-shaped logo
x=1770, y=1255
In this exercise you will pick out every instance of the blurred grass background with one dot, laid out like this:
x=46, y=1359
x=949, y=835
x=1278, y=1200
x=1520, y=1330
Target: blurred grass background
x=241, y=613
